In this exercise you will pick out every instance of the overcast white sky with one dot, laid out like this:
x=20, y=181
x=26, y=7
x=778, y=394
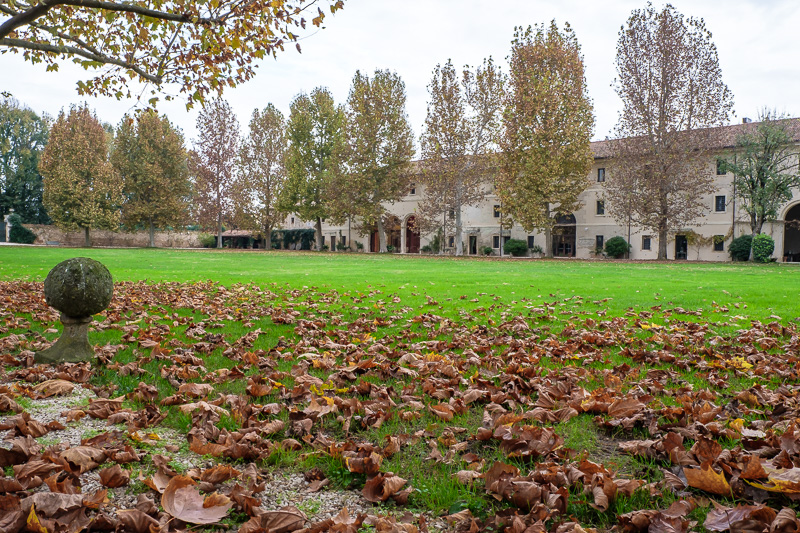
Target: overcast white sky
x=756, y=40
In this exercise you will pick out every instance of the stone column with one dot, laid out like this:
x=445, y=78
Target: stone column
x=403, y=236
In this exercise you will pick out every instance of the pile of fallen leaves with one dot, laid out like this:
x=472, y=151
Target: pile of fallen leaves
x=713, y=409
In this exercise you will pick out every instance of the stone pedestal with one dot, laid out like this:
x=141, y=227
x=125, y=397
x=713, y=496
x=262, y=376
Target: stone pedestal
x=79, y=287
x=73, y=345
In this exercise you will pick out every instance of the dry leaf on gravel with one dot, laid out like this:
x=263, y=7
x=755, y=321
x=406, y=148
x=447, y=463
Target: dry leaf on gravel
x=183, y=501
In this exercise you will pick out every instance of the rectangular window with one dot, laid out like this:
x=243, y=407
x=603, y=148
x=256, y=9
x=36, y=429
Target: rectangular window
x=495, y=241
x=292, y=220
x=719, y=204
x=645, y=242
x=344, y=240
x=413, y=189
x=601, y=207
x=452, y=213
x=496, y=209
x=451, y=241
x=601, y=175
x=719, y=243
x=720, y=167
x=530, y=241
x=506, y=238
x=323, y=240
x=599, y=240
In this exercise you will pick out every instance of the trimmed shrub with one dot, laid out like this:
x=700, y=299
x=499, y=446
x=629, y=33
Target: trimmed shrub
x=763, y=246
x=487, y=250
x=389, y=248
x=515, y=247
x=18, y=233
x=207, y=240
x=536, y=249
x=617, y=247
x=739, y=248
x=426, y=249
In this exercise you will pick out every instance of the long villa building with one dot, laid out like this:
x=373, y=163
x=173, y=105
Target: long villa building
x=582, y=233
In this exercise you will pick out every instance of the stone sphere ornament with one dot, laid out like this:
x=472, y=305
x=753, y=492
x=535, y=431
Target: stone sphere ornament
x=79, y=288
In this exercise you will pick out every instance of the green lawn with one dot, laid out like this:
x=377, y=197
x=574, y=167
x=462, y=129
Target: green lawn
x=766, y=290
x=445, y=367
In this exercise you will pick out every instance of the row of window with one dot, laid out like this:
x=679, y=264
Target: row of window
x=601, y=172
x=719, y=243
x=601, y=177
x=719, y=205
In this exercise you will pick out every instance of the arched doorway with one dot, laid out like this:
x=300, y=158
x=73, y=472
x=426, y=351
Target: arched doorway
x=791, y=235
x=412, y=235
x=392, y=228
x=564, y=236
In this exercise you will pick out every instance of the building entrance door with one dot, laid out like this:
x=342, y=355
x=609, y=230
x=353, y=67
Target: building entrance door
x=473, y=245
x=564, y=236
x=412, y=236
x=791, y=235
x=681, y=246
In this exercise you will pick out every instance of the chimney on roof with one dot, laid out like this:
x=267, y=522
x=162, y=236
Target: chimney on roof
x=746, y=120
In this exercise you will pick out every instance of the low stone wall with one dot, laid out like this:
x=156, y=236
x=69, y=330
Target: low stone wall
x=139, y=239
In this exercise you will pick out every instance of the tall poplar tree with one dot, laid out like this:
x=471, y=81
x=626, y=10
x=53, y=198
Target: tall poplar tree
x=380, y=145
x=458, y=143
x=316, y=139
x=548, y=120
x=670, y=83
x=213, y=162
x=261, y=172
x=150, y=157
x=81, y=188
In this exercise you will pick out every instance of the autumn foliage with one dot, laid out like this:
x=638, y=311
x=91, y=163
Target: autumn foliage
x=81, y=189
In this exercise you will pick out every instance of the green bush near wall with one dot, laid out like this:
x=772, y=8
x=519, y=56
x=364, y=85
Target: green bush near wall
x=293, y=236
x=739, y=248
x=515, y=247
x=763, y=246
x=18, y=233
x=617, y=247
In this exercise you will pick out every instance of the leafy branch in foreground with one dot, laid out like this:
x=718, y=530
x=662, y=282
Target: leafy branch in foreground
x=198, y=45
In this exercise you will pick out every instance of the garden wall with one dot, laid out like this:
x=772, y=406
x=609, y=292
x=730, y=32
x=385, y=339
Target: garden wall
x=140, y=239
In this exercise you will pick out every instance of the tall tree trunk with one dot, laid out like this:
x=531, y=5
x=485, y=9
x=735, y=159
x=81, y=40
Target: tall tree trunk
x=548, y=241
x=444, y=232
x=219, y=230
x=755, y=229
x=268, y=238
x=381, y=235
x=318, y=234
x=459, y=243
x=86, y=241
x=548, y=233
x=152, y=234
x=662, y=242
